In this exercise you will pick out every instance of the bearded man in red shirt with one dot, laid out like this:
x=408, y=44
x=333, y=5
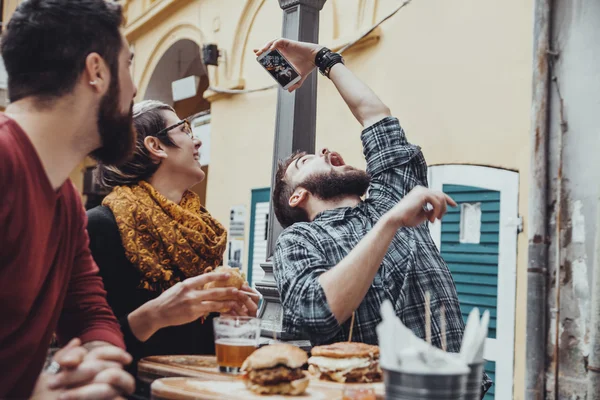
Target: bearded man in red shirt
x=71, y=95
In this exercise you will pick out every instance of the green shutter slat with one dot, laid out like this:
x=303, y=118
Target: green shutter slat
x=486, y=227
x=469, y=248
x=482, y=302
x=477, y=290
x=473, y=258
x=489, y=216
x=475, y=278
x=486, y=238
x=472, y=268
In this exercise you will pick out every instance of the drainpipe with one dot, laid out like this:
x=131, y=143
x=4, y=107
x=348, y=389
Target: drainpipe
x=537, y=272
x=593, y=392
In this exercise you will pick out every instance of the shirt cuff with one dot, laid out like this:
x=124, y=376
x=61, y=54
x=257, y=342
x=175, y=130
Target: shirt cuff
x=385, y=146
x=131, y=341
x=103, y=335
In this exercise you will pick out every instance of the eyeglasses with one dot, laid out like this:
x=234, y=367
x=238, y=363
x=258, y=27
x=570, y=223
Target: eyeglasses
x=187, y=128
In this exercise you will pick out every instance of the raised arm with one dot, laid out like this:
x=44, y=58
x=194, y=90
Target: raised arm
x=366, y=107
x=364, y=104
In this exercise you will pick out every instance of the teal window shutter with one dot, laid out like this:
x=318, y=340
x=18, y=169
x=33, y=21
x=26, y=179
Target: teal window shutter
x=257, y=206
x=474, y=266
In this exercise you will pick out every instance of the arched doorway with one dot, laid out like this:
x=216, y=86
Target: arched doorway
x=183, y=60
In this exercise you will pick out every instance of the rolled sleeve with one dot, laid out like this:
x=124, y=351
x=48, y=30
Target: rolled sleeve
x=395, y=165
x=298, y=265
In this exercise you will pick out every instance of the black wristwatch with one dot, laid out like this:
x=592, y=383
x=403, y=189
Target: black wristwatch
x=326, y=59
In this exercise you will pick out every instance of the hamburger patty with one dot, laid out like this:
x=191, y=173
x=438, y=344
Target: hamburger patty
x=273, y=376
x=369, y=374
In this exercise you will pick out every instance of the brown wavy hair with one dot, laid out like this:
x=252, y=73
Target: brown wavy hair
x=148, y=119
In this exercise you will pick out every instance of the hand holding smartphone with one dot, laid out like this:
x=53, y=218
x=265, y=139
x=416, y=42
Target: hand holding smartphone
x=279, y=68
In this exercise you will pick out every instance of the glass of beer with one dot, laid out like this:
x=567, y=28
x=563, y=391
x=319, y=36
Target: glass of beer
x=235, y=339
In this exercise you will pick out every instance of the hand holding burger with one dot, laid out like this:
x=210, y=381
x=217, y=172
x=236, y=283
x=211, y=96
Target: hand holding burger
x=190, y=300
x=249, y=297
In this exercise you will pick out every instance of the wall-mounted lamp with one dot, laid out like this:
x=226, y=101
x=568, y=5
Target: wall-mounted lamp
x=210, y=54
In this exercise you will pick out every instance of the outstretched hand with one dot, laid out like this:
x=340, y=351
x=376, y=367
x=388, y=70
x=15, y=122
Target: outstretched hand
x=300, y=54
x=413, y=209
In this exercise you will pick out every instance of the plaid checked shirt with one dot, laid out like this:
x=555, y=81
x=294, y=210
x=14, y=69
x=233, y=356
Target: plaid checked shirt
x=411, y=267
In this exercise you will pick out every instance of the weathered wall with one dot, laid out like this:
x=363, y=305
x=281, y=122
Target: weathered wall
x=577, y=71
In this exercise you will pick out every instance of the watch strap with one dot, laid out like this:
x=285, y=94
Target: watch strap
x=326, y=59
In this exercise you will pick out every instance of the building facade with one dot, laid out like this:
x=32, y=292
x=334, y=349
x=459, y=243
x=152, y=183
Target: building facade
x=457, y=75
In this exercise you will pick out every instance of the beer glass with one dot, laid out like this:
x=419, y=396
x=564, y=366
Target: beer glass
x=235, y=339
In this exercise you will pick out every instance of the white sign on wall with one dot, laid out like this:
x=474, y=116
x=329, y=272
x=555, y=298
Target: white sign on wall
x=185, y=88
x=237, y=225
x=259, y=252
x=470, y=223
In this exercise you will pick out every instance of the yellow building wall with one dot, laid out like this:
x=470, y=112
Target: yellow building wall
x=9, y=7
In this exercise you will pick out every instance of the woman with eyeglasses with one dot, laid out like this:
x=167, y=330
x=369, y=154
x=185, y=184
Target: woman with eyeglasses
x=154, y=242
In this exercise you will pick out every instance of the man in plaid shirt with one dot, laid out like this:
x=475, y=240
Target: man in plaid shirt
x=340, y=254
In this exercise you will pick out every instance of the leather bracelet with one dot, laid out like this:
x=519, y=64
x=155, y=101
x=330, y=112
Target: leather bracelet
x=326, y=59
x=320, y=55
x=335, y=59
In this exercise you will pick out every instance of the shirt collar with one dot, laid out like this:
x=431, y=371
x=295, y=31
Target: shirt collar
x=335, y=214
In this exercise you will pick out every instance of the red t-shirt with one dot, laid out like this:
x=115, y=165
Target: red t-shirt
x=48, y=279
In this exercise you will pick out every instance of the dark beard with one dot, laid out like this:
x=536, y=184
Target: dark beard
x=116, y=129
x=335, y=184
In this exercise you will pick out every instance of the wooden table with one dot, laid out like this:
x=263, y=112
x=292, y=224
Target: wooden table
x=202, y=367
x=198, y=389
x=210, y=384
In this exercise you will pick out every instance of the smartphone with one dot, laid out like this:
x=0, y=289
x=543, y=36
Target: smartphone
x=280, y=69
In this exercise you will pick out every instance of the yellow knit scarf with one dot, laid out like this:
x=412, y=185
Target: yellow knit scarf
x=167, y=242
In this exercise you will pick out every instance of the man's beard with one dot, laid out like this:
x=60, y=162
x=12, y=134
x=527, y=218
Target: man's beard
x=335, y=184
x=116, y=130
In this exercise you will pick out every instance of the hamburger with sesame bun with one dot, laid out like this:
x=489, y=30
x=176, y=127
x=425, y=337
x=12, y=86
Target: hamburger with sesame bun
x=346, y=362
x=276, y=369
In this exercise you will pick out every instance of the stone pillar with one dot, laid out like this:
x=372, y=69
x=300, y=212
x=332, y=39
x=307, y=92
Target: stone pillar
x=294, y=130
